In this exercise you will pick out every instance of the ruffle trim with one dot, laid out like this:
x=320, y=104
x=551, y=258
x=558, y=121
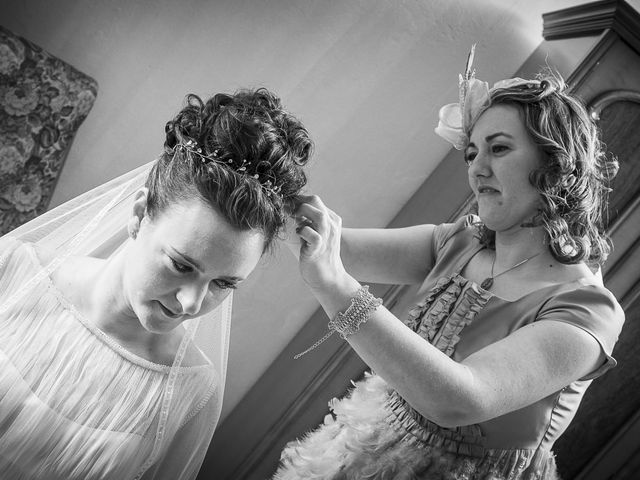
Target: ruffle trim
x=374, y=433
x=448, y=308
x=465, y=440
x=515, y=463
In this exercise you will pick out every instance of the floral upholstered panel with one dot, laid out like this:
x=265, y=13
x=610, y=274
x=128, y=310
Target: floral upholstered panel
x=43, y=101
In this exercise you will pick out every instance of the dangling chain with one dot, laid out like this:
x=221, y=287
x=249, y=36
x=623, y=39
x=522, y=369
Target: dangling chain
x=363, y=304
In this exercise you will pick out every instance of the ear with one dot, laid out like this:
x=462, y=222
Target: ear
x=138, y=212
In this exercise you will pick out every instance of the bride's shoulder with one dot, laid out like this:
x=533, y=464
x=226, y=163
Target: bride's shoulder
x=72, y=273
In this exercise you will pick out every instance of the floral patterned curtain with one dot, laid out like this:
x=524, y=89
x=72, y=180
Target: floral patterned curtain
x=43, y=101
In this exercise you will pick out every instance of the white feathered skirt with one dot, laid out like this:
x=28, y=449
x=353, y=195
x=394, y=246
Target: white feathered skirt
x=374, y=434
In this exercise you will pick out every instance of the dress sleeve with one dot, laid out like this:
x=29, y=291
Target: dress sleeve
x=595, y=310
x=444, y=232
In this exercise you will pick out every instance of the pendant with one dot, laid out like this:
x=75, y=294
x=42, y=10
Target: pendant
x=487, y=283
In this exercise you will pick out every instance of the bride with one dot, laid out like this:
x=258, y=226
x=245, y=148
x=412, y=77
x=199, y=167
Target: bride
x=114, y=307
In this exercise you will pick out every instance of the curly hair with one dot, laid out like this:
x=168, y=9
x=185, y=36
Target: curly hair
x=249, y=126
x=574, y=180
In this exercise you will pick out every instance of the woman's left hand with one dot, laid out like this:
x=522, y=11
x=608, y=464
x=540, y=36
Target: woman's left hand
x=319, y=229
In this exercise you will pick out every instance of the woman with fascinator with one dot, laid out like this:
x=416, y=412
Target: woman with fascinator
x=511, y=324
x=115, y=307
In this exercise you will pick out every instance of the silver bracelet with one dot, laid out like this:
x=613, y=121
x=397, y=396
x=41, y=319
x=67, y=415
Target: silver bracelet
x=363, y=304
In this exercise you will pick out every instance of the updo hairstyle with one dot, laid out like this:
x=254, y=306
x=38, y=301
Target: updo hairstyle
x=255, y=141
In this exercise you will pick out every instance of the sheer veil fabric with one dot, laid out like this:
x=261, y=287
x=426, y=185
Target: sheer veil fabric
x=84, y=407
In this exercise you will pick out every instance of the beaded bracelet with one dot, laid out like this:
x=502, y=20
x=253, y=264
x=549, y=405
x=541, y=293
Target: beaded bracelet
x=363, y=304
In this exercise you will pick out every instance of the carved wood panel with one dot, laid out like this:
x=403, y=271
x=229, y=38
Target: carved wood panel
x=619, y=124
x=613, y=400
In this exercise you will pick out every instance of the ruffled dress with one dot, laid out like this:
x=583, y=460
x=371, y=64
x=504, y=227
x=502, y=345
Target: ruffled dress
x=373, y=433
x=75, y=405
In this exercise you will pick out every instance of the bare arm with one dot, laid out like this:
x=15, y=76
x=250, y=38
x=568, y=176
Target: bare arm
x=378, y=255
x=528, y=365
x=391, y=256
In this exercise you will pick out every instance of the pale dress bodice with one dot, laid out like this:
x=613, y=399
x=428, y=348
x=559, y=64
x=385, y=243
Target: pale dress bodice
x=74, y=404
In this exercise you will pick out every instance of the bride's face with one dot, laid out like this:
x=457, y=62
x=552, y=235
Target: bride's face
x=184, y=262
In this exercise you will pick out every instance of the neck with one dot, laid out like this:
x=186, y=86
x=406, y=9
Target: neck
x=514, y=246
x=110, y=310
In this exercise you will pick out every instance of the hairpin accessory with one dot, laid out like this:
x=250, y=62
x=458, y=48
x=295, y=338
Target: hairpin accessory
x=455, y=120
x=363, y=304
x=267, y=182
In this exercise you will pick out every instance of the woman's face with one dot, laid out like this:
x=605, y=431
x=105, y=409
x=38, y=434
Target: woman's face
x=184, y=262
x=501, y=155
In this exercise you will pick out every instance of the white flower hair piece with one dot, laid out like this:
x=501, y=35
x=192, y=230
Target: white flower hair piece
x=455, y=120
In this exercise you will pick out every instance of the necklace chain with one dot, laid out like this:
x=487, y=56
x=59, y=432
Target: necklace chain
x=487, y=283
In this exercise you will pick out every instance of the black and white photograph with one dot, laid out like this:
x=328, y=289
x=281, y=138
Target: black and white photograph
x=319, y=240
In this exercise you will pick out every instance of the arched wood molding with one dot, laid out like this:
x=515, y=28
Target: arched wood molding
x=606, y=99
x=616, y=456
x=631, y=212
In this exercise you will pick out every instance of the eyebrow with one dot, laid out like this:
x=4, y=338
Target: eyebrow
x=199, y=268
x=491, y=137
x=488, y=138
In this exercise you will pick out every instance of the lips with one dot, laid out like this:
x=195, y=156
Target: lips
x=482, y=189
x=168, y=312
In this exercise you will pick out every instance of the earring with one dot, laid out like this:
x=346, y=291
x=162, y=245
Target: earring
x=133, y=226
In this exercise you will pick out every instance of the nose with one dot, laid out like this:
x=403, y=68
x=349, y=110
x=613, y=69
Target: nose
x=481, y=166
x=191, y=298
